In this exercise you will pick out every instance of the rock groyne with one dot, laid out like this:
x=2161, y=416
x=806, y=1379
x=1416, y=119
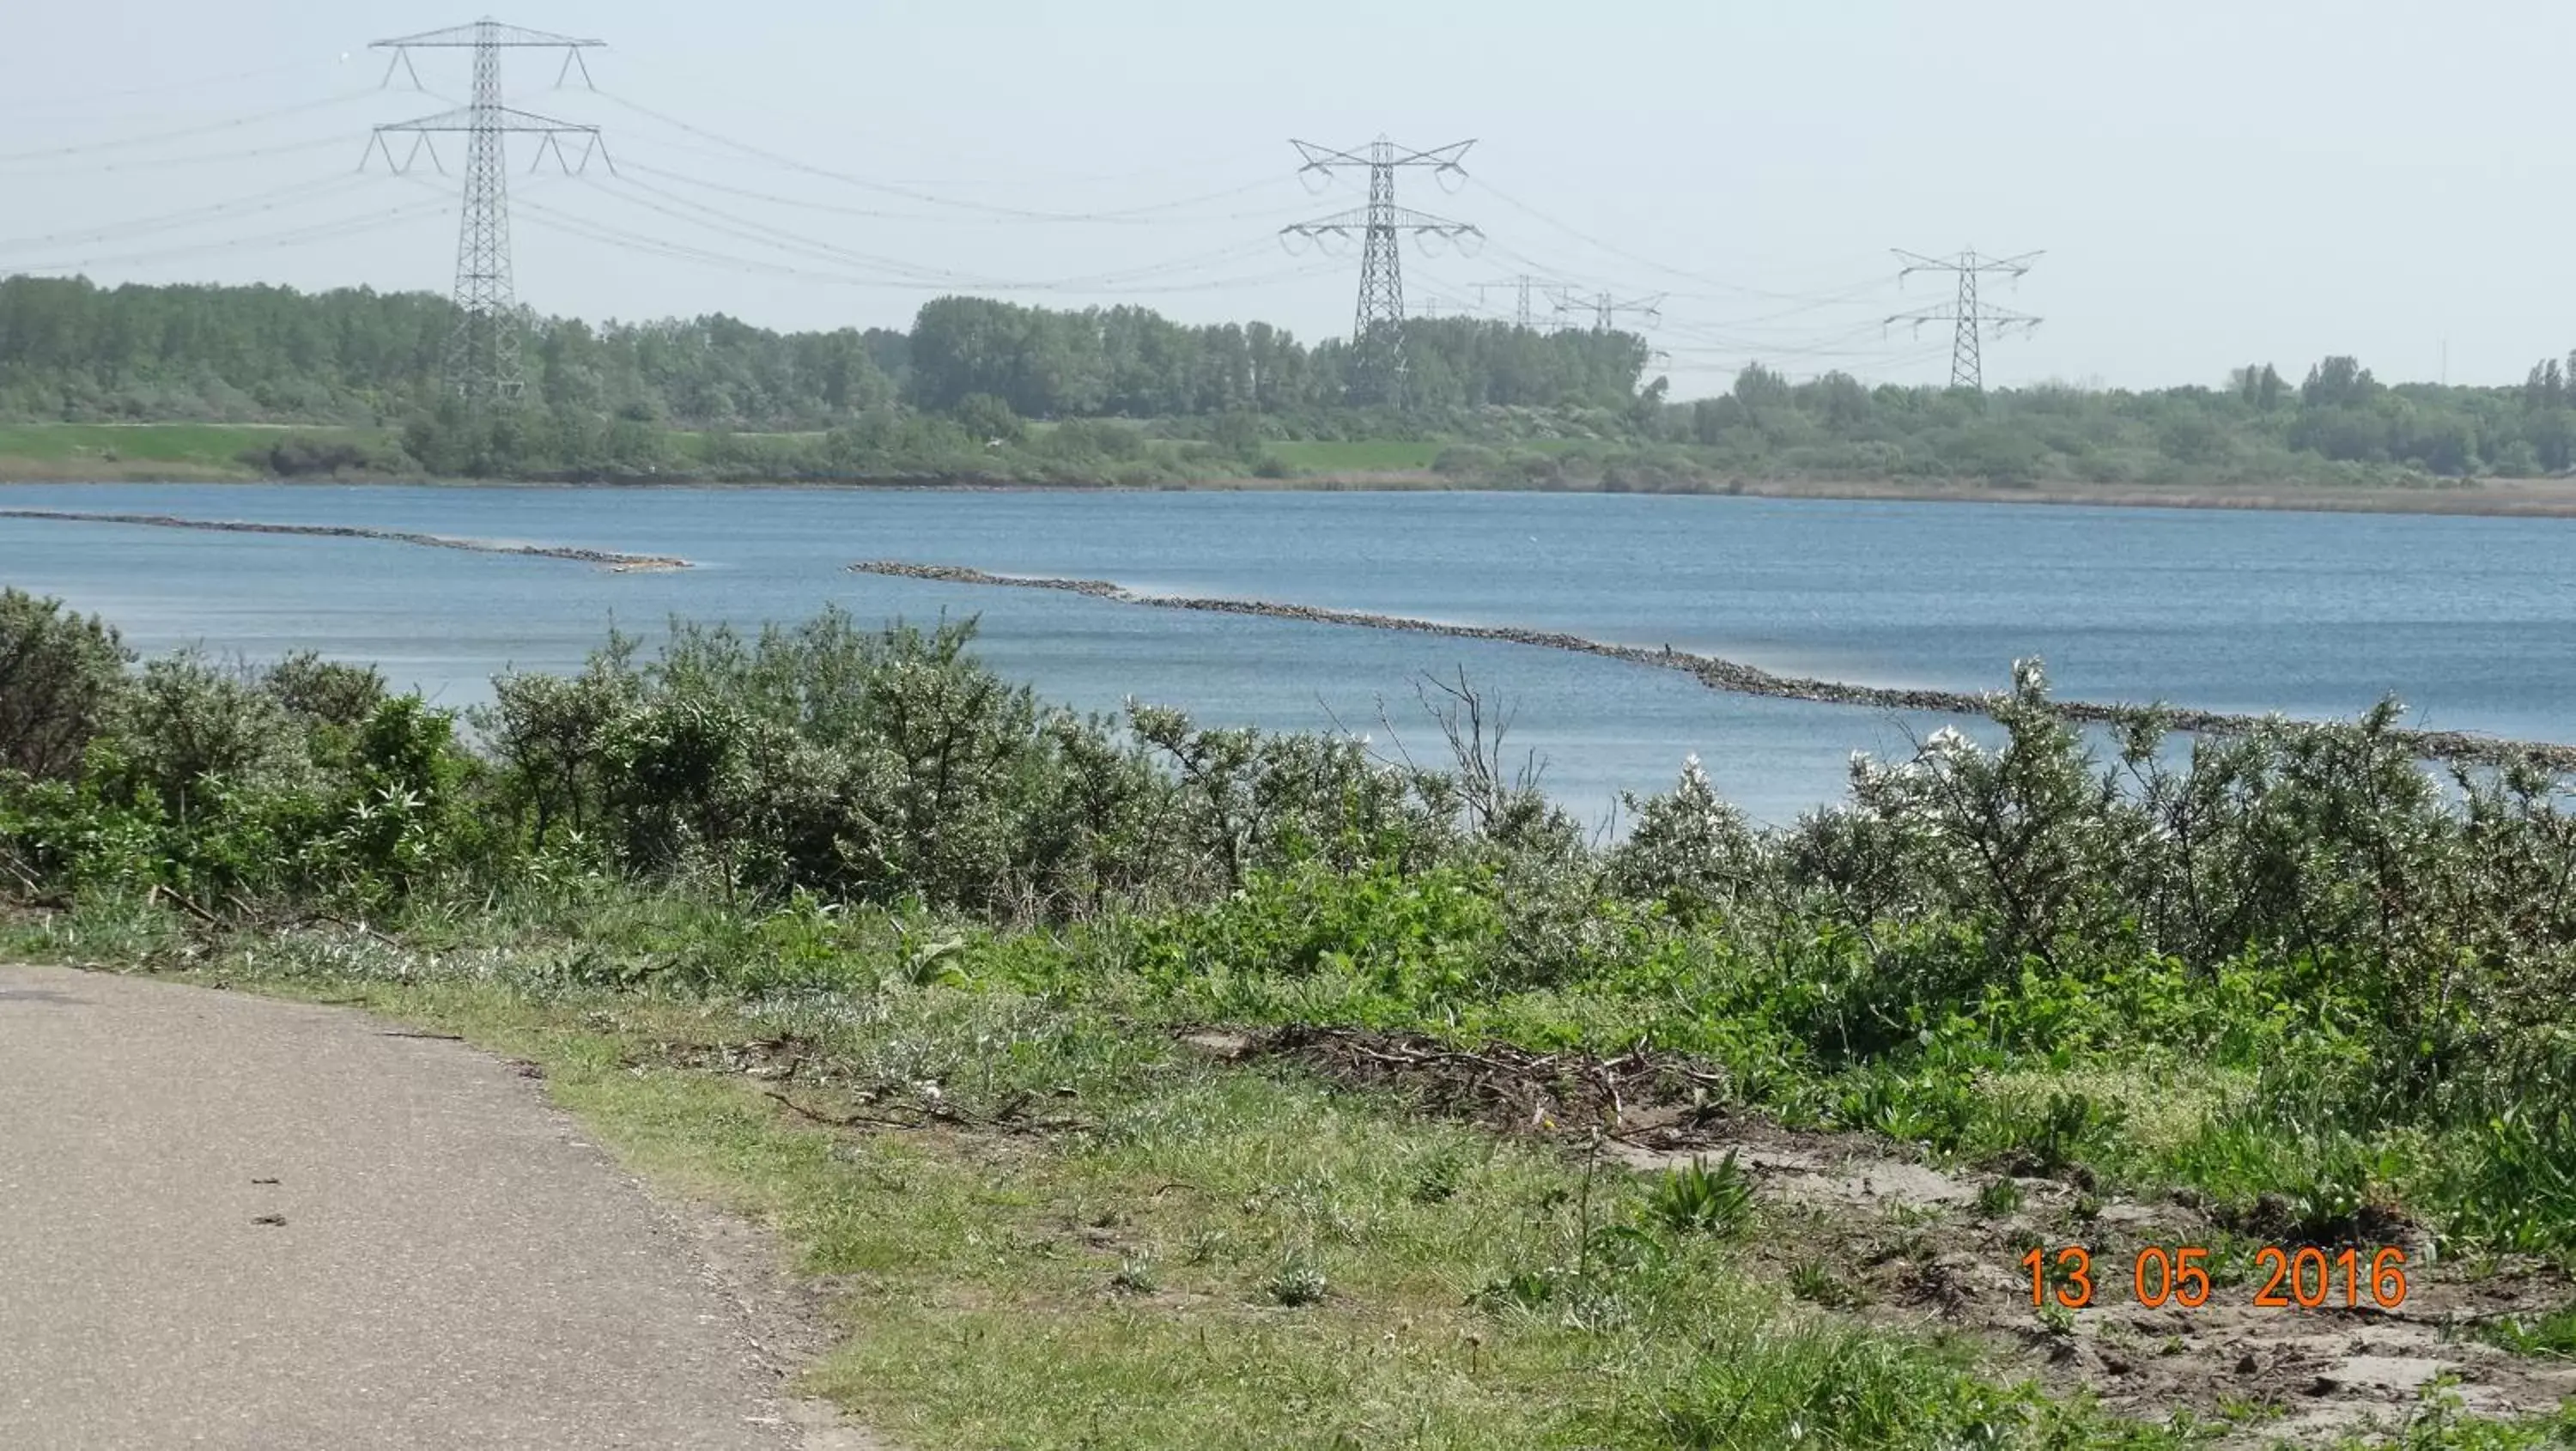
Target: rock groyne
x=608, y=559
x=1713, y=672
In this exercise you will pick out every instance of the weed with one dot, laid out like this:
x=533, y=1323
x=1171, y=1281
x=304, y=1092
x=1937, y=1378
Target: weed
x=2000, y=1197
x=1816, y=1283
x=1438, y=1178
x=2551, y=1334
x=1298, y=1281
x=1700, y=1198
x=1138, y=1275
x=2068, y=1126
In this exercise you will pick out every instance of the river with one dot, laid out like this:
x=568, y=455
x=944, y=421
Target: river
x=2472, y=620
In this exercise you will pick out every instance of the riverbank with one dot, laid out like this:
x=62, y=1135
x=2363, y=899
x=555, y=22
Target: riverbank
x=2510, y=498
x=62, y=453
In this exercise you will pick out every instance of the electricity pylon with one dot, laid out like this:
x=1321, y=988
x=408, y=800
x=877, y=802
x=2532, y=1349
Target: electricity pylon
x=1970, y=317
x=1605, y=308
x=1377, y=336
x=1523, y=286
x=482, y=361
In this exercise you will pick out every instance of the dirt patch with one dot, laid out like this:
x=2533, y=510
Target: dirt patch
x=1867, y=1227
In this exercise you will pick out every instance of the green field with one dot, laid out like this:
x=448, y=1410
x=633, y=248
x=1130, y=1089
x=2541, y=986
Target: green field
x=142, y=450
x=1362, y=456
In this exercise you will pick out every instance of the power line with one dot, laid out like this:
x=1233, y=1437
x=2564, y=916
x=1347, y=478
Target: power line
x=185, y=133
x=482, y=360
x=290, y=237
x=793, y=244
x=679, y=208
x=1489, y=189
x=298, y=194
x=987, y=209
x=1377, y=337
x=592, y=230
x=1970, y=317
x=333, y=142
x=1155, y=214
x=22, y=104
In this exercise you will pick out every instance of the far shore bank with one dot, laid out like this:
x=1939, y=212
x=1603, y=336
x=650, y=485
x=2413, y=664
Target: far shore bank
x=2552, y=498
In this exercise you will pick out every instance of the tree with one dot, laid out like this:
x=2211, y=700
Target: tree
x=2268, y=393
x=2338, y=382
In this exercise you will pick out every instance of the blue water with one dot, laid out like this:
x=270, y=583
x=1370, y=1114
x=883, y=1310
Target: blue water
x=2312, y=614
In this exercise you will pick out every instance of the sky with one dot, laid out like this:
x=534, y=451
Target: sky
x=2209, y=183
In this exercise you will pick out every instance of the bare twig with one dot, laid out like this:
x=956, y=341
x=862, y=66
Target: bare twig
x=850, y=1121
x=361, y=928
x=192, y=909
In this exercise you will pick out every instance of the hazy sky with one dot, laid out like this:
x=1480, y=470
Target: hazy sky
x=2213, y=183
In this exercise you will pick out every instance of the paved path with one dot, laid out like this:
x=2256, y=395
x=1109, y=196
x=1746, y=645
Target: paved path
x=231, y=1222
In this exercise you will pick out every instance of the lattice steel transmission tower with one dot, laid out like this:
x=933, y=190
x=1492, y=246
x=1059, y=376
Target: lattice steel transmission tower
x=1970, y=316
x=1605, y=308
x=482, y=359
x=1377, y=336
x=1522, y=286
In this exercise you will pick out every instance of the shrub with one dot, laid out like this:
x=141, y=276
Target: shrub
x=1688, y=849
x=188, y=732
x=326, y=692
x=59, y=674
x=300, y=456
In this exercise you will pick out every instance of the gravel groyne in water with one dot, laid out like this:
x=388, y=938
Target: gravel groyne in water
x=1715, y=673
x=620, y=563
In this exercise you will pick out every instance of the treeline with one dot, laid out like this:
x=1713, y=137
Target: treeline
x=984, y=389
x=1128, y=362
x=2339, y=425
x=73, y=351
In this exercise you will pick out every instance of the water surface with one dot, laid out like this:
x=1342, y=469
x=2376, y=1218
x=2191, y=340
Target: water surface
x=2312, y=614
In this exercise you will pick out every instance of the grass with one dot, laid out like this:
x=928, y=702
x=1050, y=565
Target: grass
x=1358, y=456
x=1084, y=1235
x=114, y=451
x=1052, y=1226
x=2547, y=1335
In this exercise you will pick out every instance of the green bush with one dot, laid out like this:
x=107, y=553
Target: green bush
x=59, y=673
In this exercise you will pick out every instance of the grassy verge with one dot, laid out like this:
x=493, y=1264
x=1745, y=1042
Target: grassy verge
x=181, y=452
x=1359, y=456
x=1050, y=1224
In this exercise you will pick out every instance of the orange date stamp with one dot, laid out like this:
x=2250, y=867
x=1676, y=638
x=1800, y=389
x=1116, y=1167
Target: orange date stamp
x=2305, y=1278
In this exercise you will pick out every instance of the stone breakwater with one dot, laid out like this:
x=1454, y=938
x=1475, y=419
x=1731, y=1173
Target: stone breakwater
x=619, y=563
x=1715, y=673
